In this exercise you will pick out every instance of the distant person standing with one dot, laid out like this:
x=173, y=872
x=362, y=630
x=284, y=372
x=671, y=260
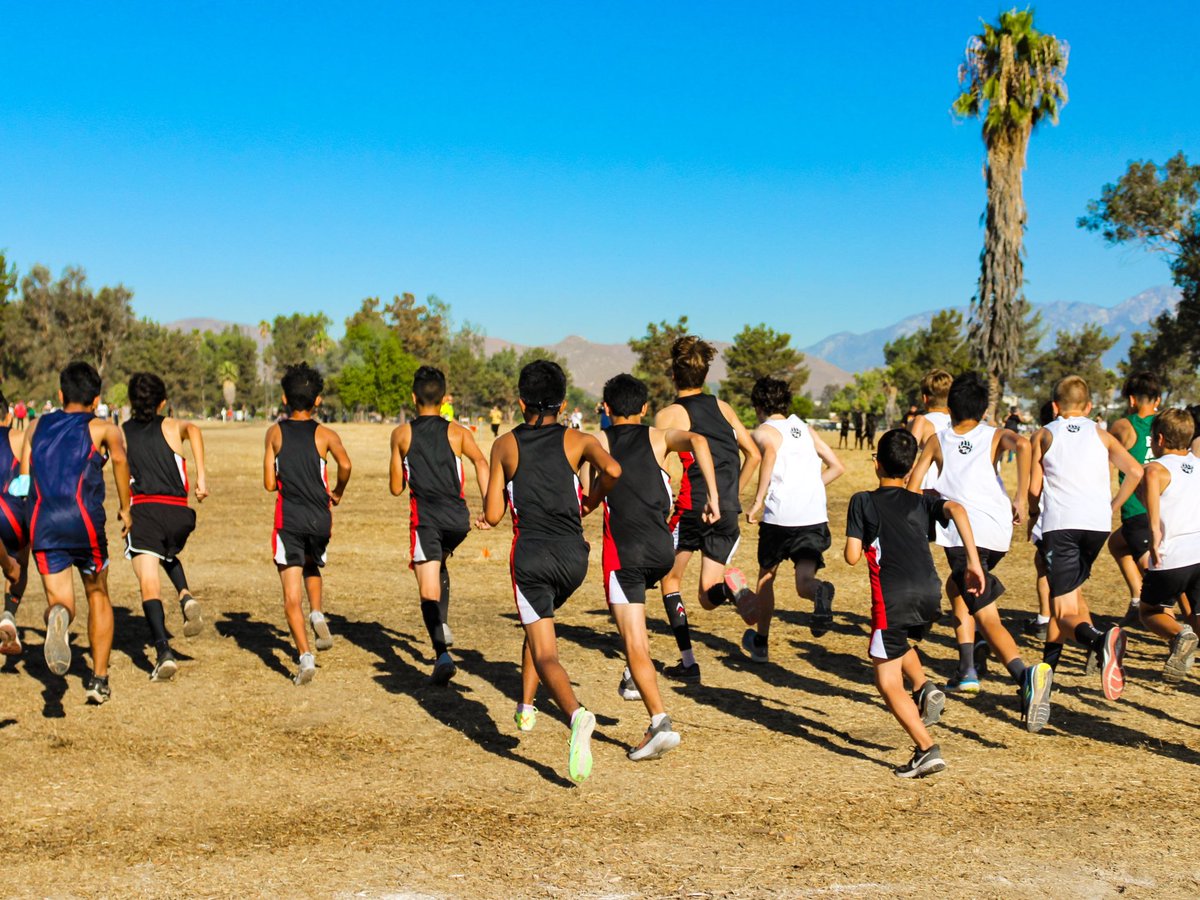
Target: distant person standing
x=447, y=409
x=20, y=413
x=872, y=424
x=577, y=419
x=497, y=418
x=102, y=411
x=1013, y=424
x=858, y=429
x=844, y=432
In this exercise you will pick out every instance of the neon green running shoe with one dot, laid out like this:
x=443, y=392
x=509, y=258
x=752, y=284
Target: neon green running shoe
x=525, y=719
x=579, y=757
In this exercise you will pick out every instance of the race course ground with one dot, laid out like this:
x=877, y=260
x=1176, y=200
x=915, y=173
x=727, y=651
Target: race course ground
x=370, y=782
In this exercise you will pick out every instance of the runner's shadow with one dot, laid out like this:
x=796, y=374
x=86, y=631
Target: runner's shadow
x=1109, y=732
x=4, y=723
x=608, y=643
x=263, y=639
x=54, y=688
x=844, y=622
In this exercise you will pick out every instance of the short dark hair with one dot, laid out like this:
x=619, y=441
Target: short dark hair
x=302, y=385
x=542, y=386
x=79, y=382
x=690, y=359
x=429, y=385
x=772, y=396
x=1195, y=411
x=3, y=404
x=968, y=397
x=1175, y=428
x=1142, y=386
x=896, y=453
x=1046, y=413
x=625, y=395
x=146, y=394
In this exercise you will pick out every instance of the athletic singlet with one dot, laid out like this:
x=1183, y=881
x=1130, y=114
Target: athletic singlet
x=544, y=491
x=157, y=474
x=67, y=475
x=302, y=505
x=796, y=493
x=1141, y=452
x=969, y=478
x=705, y=419
x=436, y=482
x=1179, y=512
x=636, y=534
x=12, y=508
x=1076, y=492
x=940, y=422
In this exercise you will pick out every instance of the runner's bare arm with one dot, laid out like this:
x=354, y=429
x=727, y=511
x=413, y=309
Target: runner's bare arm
x=1010, y=441
x=190, y=432
x=1150, y=490
x=272, y=448
x=600, y=460
x=697, y=444
x=834, y=467
x=931, y=454
x=504, y=463
x=333, y=444
x=401, y=435
x=750, y=455
x=112, y=442
x=471, y=451
x=1124, y=462
x=768, y=441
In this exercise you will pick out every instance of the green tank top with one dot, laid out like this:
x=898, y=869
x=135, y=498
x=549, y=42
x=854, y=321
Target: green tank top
x=1141, y=452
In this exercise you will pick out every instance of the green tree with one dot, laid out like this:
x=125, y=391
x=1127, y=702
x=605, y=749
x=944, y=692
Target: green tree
x=1013, y=79
x=866, y=393
x=1077, y=353
x=377, y=373
x=174, y=356
x=940, y=345
x=298, y=338
x=759, y=351
x=423, y=330
x=235, y=346
x=227, y=375
x=653, y=366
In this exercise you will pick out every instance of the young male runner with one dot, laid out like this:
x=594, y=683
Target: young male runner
x=703, y=414
x=967, y=455
x=64, y=457
x=14, y=527
x=427, y=458
x=534, y=472
x=1069, y=483
x=935, y=393
x=162, y=519
x=638, y=549
x=1170, y=490
x=1038, y=625
x=294, y=467
x=794, y=522
x=891, y=527
x=1130, y=544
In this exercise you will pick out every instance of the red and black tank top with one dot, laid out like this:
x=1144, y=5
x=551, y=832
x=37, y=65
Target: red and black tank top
x=157, y=474
x=302, y=505
x=436, y=484
x=544, y=491
x=636, y=534
x=705, y=418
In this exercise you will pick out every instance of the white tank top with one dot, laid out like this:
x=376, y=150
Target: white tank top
x=796, y=494
x=940, y=422
x=1077, y=489
x=969, y=478
x=1179, y=513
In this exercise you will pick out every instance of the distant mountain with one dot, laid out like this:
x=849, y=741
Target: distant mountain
x=856, y=352
x=217, y=325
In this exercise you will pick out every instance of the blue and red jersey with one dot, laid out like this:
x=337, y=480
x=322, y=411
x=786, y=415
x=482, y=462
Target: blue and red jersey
x=67, y=486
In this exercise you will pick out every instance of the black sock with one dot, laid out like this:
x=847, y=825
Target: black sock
x=966, y=659
x=1016, y=668
x=677, y=616
x=11, y=603
x=433, y=624
x=718, y=594
x=1052, y=653
x=1089, y=635
x=444, y=603
x=760, y=640
x=174, y=570
x=158, y=624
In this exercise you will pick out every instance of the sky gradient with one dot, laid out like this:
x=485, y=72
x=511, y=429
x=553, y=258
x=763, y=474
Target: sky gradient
x=550, y=169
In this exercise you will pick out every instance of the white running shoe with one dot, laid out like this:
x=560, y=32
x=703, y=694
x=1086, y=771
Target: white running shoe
x=10, y=639
x=308, y=668
x=193, y=619
x=57, y=648
x=321, y=629
x=657, y=742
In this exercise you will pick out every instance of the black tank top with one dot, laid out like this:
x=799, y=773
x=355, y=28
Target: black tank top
x=636, y=534
x=302, y=506
x=156, y=473
x=544, y=490
x=704, y=416
x=435, y=477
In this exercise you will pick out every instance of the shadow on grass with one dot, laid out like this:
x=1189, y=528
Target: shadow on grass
x=264, y=640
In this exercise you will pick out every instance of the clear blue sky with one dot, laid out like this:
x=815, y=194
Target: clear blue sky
x=561, y=168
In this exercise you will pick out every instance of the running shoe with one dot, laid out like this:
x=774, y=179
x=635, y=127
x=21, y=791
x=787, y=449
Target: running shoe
x=443, y=669
x=321, y=629
x=579, y=751
x=822, y=615
x=628, y=689
x=967, y=685
x=743, y=598
x=982, y=652
x=10, y=639
x=756, y=653
x=923, y=762
x=165, y=667
x=97, y=690
x=307, y=670
x=1031, y=627
x=1036, y=686
x=680, y=672
x=1112, y=663
x=658, y=741
x=1183, y=654
x=930, y=703
x=57, y=648
x=193, y=620
x=525, y=718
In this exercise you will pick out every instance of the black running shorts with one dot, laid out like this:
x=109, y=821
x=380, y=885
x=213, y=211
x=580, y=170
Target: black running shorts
x=1069, y=554
x=433, y=544
x=545, y=572
x=292, y=548
x=956, y=558
x=1162, y=587
x=159, y=529
x=718, y=541
x=893, y=643
x=629, y=585
x=777, y=543
x=1136, y=531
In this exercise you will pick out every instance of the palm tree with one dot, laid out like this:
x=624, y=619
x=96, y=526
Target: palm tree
x=1013, y=79
x=227, y=374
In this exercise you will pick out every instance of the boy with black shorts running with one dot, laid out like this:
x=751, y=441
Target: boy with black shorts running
x=534, y=472
x=791, y=510
x=701, y=413
x=967, y=456
x=638, y=549
x=294, y=467
x=427, y=458
x=162, y=519
x=1069, y=485
x=892, y=528
x=1170, y=490
x=64, y=456
x=14, y=528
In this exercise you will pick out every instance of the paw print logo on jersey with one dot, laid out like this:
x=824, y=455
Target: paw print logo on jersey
x=1074, y=429
x=1186, y=468
x=796, y=433
x=964, y=447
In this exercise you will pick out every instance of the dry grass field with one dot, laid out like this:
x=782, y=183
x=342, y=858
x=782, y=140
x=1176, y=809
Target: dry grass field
x=231, y=781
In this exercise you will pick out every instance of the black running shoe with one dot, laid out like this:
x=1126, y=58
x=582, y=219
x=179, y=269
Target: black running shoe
x=166, y=666
x=1031, y=627
x=97, y=690
x=923, y=762
x=822, y=617
x=931, y=700
x=681, y=672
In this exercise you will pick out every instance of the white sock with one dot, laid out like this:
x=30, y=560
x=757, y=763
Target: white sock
x=1134, y=602
x=1043, y=620
x=656, y=720
x=315, y=616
